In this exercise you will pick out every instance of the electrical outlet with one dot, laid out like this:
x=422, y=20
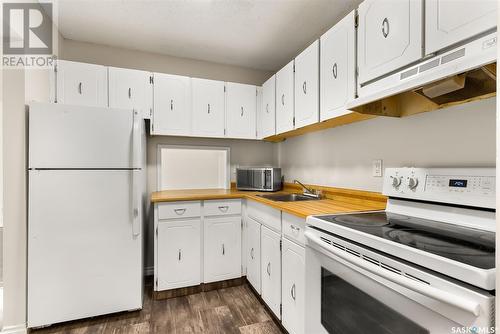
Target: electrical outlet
x=377, y=168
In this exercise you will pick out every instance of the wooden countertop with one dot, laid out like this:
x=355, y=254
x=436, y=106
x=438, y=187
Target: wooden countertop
x=337, y=200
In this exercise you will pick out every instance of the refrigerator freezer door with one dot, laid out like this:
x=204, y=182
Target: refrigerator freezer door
x=84, y=253
x=78, y=137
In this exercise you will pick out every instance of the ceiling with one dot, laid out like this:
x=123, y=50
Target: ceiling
x=258, y=34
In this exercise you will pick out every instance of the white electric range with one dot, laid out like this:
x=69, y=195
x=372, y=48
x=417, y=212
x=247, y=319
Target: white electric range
x=424, y=265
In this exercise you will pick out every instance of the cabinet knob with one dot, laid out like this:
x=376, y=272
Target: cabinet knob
x=334, y=70
x=385, y=27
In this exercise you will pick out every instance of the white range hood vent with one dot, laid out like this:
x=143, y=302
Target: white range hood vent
x=463, y=74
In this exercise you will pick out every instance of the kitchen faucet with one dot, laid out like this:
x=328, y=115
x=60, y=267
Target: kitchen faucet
x=308, y=191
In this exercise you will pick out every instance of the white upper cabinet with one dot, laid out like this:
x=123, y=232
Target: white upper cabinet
x=208, y=107
x=451, y=21
x=284, y=99
x=241, y=110
x=222, y=248
x=172, y=105
x=81, y=84
x=337, y=68
x=266, y=118
x=389, y=36
x=271, y=269
x=293, y=287
x=253, y=253
x=307, y=86
x=130, y=89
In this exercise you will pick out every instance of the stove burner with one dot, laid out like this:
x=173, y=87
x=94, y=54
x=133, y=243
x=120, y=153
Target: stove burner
x=359, y=220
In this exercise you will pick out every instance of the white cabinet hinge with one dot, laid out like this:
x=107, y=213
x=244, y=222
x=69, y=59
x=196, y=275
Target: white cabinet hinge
x=294, y=121
x=157, y=232
x=281, y=310
x=294, y=68
x=224, y=132
x=156, y=283
x=224, y=88
x=281, y=244
x=356, y=20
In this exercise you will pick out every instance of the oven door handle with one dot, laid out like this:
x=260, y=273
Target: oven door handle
x=422, y=288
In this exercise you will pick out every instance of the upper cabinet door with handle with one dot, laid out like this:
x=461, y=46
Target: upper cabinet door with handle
x=449, y=22
x=338, y=68
x=241, y=109
x=284, y=99
x=266, y=118
x=208, y=107
x=81, y=84
x=172, y=105
x=307, y=86
x=389, y=36
x=130, y=89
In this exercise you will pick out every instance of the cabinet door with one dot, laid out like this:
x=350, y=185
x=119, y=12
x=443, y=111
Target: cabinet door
x=208, y=107
x=253, y=253
x=222, y=248
x=337, y=68
x=389, y=36
x=172, y=105
x=451, y=21
x=266, y=119
x=271, y=269
x=293, y=287
x=307, y=86
x=81, y=84
x=178, y=254
x=241, y=110
x=284, y=99
x=130, y=89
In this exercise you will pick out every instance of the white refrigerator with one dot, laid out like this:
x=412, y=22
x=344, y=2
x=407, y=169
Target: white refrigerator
x=86, y=192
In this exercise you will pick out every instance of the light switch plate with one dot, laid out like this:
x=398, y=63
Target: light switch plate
x=377, y=168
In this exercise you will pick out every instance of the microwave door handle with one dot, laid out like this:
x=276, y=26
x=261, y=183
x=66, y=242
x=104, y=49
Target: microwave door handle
x=424, y=289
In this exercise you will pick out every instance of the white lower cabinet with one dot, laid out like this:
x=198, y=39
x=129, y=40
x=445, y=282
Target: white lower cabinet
x=293, y=266
x=271, y=269
x=178, y=254
x=253, y=253
x=222, y=248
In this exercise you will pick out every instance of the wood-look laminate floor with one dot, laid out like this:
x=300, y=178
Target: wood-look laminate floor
x=231, y=310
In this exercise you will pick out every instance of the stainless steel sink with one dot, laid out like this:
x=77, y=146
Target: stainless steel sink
x=289, y=197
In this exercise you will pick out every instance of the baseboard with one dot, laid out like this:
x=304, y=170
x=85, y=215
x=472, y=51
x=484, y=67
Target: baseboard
x=149, y=271
x=18, y=329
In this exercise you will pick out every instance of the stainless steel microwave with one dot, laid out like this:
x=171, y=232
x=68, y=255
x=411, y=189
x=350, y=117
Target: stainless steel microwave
x=258, y=178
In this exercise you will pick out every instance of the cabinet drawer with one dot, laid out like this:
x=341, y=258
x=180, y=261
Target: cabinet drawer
x=293, y=228
x=222, y=208
x=179, y=210
x=265, y=215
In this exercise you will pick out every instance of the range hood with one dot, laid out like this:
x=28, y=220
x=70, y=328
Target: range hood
x=462, y=74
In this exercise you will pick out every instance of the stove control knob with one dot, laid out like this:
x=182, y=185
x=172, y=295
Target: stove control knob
x=396, y=181
x=412, y=183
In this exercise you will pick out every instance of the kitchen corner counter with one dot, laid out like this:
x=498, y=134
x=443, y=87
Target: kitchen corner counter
x=337, y=200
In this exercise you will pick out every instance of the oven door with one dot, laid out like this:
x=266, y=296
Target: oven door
x=343, y=296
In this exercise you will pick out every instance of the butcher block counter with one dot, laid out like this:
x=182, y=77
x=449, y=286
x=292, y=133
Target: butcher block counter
x=336, y=200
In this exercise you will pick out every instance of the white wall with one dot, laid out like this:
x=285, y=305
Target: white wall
x=462, y=136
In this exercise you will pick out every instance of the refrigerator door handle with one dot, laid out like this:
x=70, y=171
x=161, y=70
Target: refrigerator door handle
x=136, y=195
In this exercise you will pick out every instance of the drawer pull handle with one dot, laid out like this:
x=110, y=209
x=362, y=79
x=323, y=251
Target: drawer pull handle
x=292, y=291
x=283, y=99
x=304, y=87
x=242, y=111
x=385, y=27
x=334, y=70
x=129, y=92
x=180, y=212
x=267, y=108
x=180, y=254
x=80, y=85
x=295, y=228
x=209, y=108
x=251, y=253
x=269, y=268
x=224, y=208
x=171, y=104
x=223, y=250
